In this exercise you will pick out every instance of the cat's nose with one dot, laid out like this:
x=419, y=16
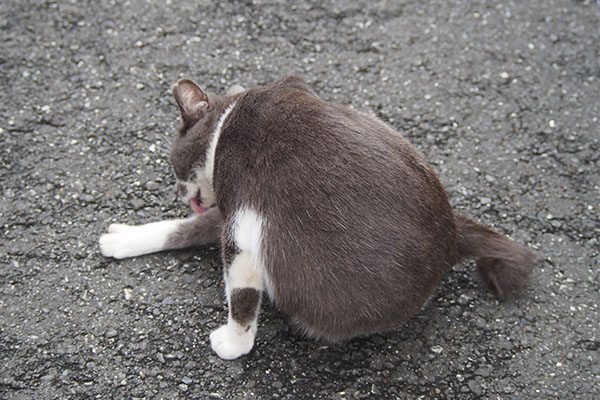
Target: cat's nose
x=181, y=189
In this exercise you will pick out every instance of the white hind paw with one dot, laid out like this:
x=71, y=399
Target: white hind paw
x=230, y=341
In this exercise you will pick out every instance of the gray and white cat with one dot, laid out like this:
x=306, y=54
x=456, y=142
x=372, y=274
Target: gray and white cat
x=332, y=213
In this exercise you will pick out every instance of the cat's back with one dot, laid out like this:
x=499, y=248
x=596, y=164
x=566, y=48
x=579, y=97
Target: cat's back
x=285, y=127
x=285, y=139
x=352, y=212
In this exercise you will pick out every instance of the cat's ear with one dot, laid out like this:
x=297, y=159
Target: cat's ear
x=192, y=101
x=235, y=89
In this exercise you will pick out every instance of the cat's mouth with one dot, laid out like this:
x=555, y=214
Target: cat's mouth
x=197, y=204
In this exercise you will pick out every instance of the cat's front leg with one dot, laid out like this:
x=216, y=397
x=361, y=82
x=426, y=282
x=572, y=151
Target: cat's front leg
x=124, y=241
x=243, y=287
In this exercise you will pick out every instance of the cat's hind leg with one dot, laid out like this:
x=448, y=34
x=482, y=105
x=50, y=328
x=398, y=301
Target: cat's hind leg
x=124, y=241
x=243, y=285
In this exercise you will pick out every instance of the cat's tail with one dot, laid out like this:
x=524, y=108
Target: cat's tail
x=504, y=265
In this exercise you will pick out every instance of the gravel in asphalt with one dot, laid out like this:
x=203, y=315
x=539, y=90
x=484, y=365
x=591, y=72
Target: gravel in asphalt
x=501, y=96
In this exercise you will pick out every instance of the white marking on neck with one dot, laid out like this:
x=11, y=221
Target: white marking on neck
x=209, y=167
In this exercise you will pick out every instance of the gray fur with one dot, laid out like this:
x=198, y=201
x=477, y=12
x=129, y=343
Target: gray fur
x=359, y=229
x=197, y=231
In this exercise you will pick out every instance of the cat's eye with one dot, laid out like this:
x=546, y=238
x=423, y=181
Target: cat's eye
x=179, y=174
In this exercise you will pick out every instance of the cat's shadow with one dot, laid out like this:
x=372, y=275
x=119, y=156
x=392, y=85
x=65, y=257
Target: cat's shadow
x=396, y=362
x=203, y=269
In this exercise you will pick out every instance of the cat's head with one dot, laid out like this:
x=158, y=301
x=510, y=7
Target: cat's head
x=192, y=155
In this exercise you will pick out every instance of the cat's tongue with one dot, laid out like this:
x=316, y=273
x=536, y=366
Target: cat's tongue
x=197, y=206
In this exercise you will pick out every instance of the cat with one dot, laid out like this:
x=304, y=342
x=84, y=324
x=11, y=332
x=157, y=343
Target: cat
x=331, y=212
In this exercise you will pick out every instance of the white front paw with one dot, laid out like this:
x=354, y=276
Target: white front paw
x=121, y=241
x=230, y=341
x=124, y=241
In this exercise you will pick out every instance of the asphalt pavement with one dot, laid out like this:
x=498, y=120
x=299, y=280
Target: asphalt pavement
x=503, y=98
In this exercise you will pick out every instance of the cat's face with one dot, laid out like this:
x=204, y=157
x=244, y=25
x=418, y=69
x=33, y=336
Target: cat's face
x=192, y=155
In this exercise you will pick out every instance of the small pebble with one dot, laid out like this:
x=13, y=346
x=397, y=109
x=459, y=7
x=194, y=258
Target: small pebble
x=437, y=349
x=463, y=300
x=152, y=185
x=110, y=333
x=475, y=387
x=137, y=204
